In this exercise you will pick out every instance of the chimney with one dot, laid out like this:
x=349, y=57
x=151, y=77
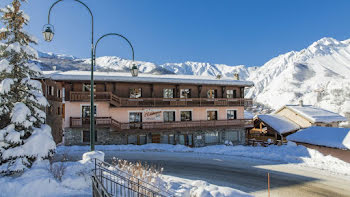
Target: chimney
x=301, y=103
x=235, y=76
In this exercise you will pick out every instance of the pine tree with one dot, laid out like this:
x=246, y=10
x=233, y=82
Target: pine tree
x=24, y=138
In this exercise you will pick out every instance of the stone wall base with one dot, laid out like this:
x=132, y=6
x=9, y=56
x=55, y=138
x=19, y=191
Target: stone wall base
x=193, y=138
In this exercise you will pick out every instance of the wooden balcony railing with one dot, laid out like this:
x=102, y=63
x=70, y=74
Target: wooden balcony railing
x=159, y=102
x=78, y=122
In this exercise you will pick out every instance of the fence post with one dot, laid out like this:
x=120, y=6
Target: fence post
x=268, y=184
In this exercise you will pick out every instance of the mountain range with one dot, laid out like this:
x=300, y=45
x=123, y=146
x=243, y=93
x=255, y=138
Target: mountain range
x=319, y=74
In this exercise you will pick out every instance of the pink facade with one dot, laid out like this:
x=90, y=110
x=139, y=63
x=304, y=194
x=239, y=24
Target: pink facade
x=153, y=114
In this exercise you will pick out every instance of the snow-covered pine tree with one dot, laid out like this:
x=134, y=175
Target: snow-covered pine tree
x=24, y=138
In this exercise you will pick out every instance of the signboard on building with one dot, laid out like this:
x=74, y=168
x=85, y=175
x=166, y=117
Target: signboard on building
x=152, y=115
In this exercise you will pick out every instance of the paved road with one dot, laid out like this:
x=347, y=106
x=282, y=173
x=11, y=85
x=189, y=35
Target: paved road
x=248, y=175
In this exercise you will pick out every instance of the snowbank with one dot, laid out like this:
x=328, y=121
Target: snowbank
x=188, y=188
x=90, y=156
x=324, y=136
x=290, y=153
x=76, y=181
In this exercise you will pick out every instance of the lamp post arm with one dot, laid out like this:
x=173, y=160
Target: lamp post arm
x=115, y=34
x=92, y=106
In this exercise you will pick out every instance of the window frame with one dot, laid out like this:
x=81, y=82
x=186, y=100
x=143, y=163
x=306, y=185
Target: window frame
x=184, y=120
x=187, y=95
x=174, y=116
x=235, y=114
x=166, y=92
x=138, y=95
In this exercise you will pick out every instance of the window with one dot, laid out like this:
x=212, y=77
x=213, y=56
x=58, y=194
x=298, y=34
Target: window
x=135, y=117
x=168, y=93
x=169, y=116
x=186, y=116
x=86, y=136
x=242, y=92
x=212, y=138
x=135, y=92
x=132, y=139
x=142, y=139
x=185, y=93
x=212, y=94
x=231, y=114
x=58, y=111
x=87, y=87
x=231, y=93
x=58, y=93
x=212, y=115
x=232, y=136
x=51, y=91
x=85, y=111
x=171, y=139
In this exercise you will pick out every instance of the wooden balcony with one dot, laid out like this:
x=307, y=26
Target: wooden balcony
x=159, y=102
x=78, y=122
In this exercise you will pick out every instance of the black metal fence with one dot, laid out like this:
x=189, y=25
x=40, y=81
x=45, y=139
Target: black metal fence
x=109, y=181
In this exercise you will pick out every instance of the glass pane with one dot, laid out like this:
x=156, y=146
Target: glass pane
x=132, y=139
x=185, y=93
x=164, y=139
x=232, y=136
x=171, y=139
x=182, y=139
x=143, y=139
x=186, y=116
x=168, y=93
x=211, y=93
x=231, y=114
x=135, y=92
x=229, y=93
x=211, y=138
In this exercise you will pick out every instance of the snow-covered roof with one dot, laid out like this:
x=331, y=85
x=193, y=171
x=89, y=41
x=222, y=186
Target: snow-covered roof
x=314, y=114
x=248, y=115
x=142, y=78
x=279, y=123
x=324, y=136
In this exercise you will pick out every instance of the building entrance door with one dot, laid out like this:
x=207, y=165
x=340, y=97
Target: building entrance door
x=156, y=138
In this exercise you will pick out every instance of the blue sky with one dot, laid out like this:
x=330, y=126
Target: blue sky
x=248, y=32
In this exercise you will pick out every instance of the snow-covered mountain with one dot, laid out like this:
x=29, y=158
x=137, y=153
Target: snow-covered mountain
x=319, y=74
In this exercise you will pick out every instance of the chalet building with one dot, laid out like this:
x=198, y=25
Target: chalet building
x=274, y=128
x=308, y=115
x=170, y=109
x=271, y=128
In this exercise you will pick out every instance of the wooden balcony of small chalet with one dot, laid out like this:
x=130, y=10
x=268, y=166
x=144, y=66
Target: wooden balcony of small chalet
x=108, y=122
x=158, y=102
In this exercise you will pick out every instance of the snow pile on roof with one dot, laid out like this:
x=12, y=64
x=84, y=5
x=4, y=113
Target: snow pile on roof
x=279, y=123
x=324, y=136
x=315, y=114
x=142, y=78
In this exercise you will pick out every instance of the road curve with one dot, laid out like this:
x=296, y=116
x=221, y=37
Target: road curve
x=248, y=175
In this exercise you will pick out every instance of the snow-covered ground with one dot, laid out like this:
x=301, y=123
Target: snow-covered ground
x=76, y=181
x=291, y=153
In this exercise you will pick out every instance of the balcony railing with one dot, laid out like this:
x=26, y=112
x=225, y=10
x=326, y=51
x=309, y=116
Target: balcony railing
x=159, y=102
x=78, y=122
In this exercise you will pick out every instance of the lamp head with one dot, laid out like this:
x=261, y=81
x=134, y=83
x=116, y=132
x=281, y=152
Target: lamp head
x=134, y=70
x=48, y=32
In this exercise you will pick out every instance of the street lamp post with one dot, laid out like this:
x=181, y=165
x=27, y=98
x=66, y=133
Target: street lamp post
x=48, y=33
x=48, y=36
x=133, y=67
